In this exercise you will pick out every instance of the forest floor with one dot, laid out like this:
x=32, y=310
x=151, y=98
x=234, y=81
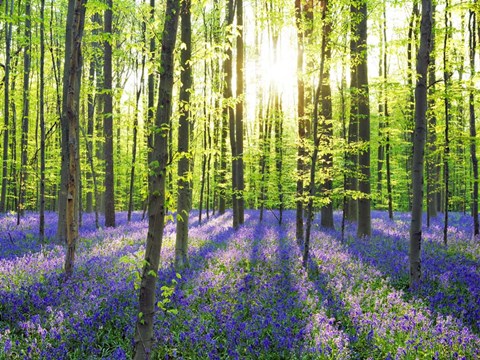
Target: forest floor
x=245, y=295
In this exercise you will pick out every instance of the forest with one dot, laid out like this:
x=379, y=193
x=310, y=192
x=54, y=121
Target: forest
x=239, y=179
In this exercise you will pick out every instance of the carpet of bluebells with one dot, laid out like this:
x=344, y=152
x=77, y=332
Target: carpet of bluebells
x=245, y=295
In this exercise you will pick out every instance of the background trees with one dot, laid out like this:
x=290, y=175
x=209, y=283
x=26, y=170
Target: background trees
x=252, y=88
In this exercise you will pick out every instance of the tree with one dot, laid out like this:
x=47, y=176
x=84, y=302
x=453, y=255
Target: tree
x=432, y=159
x=144, y=339
x=72, y=77
x=42, y=122
x=303, y=17
x=473, y=133
x=25, y=110
x=239, y=114
x=108, y=120
x=6, y=113
x=184, y=198
x=326, y=220
x=419, y=143
x=363, y=116
x=315, y=135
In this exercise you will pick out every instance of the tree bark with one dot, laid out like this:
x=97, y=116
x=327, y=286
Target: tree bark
x=6, y=113
x=473, y=131
x=108, y=120
x=364, y=216
x=327, y=130
x=144, y=339
x=25, y=111
x=315, y=136
x=184, y=133
x=72, y=75
x=239, y=114
x=432, y=159
x=419, y=143
x=42, y=122
x=446, y=99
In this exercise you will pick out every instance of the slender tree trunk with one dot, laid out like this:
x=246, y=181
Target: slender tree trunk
x=93, y=172
x=6, y=113
x=42, y=122
x=300, y=15
x=184, y=133
x=25, y=111
x=239, y=114
x=411, y=99
x=473, y=131
x=144, y=339
x=108, y=121
x=327, y=131
x=72, y=75
x=387, y=120
x=316, y=137
x=90, y=127
x=446, y=99
x=432, y=159
x=230, y=115
x=135, y=135
x=353, y=126
x=419, y=143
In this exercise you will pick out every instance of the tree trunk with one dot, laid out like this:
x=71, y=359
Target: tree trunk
x=108, y=121
x=446, y=99
x=6, y=113
x=301, y=14
x=432, y=158
x=353, y=126
x=411, y=99
x=25, y=111
x=72, y=75
x=144, y=339
x=184, y=133
x=419, y=143
x=473, y=131
x=239, y=114
x=42, y=122
x=364, y=217
x=64, y=171
x=135, y=135
x=316, y=137
x=230, y=115
x=327, y=132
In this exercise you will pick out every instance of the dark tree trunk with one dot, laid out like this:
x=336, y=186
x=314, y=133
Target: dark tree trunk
x=411, y=99
x=25, y=111
x=432, y=159
x=144, y=337
x=239, y=115
x=353, y=126
x=42, y=122
x=72, y=75
x=75, y=8
x=6, y=113
x=327, y=131
x=473, y=131
x=315, y=135
x=419, y=143
x=108, y=121
x=230, y=115
x=135, y=135
x=184, y=134
x=302, y=15
x=364, y=217
x=446, y=99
